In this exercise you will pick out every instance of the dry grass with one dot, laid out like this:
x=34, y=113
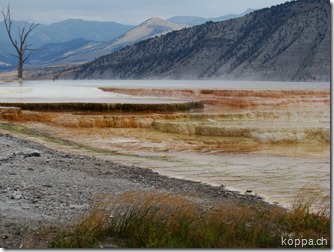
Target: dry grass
x=162, y=220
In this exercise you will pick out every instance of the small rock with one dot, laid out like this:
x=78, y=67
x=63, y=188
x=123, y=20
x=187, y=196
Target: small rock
x=16, y=195
x=33, y=154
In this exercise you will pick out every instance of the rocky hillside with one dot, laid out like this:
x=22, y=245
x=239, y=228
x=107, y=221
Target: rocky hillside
x=288, y=42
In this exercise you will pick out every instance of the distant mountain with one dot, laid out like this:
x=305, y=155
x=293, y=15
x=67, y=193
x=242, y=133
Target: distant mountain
x=189, y=20
x=7, y=62
x=287, y=42
x=63, y=53
x=57, y=43
x=74, y=41
x=81, y=50
x=192, y=20
x=148, y=29
x=70, y=29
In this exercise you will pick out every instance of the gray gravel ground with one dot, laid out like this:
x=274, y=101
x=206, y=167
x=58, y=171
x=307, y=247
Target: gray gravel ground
x=41, y=187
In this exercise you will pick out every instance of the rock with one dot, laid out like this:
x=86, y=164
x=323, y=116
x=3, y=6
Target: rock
x=16, y=195
x=34, y=201
x=33, y=154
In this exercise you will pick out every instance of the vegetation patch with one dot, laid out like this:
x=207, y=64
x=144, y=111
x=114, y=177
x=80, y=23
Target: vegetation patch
x=162, y=220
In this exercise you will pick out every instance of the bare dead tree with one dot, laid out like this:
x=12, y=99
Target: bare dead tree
x=23, y=49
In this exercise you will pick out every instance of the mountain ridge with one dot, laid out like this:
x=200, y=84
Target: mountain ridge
x=287, y=42
x=66, y=52
x=70, y=29
x=96, y=39
x=80, y=50
x=149, y=28
x=58, y=34
x=195, y=20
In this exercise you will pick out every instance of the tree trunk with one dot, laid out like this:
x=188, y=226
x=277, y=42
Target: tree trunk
x=20, y=69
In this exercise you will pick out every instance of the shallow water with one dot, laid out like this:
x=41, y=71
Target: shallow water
x=280, y=171
x=277, y=178
x=276, y=147
x=30, y=92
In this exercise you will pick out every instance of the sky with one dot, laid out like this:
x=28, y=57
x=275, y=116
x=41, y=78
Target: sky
x=126, y=11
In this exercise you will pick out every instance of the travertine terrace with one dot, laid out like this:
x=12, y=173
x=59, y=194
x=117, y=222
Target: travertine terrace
x=268, y=142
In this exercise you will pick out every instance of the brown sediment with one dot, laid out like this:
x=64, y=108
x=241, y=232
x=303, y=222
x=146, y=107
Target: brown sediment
x=237, y=98
x=217, y=92
x=10, y=113
x=8, y=81
x=293, y=123
x=108, y=107
x=182, y=144
x=258, y=126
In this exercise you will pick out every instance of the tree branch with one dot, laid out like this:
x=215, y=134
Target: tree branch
x=26, y=58
x=8, y=23
x=21, y=46
x=14, y=55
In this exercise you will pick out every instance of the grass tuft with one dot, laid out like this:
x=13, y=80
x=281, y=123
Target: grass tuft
x=163, y=220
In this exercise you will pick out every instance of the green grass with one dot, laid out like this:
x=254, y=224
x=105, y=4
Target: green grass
x=160, y=220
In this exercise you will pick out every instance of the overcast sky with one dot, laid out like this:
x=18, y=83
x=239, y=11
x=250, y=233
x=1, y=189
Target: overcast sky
x=126, y=11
